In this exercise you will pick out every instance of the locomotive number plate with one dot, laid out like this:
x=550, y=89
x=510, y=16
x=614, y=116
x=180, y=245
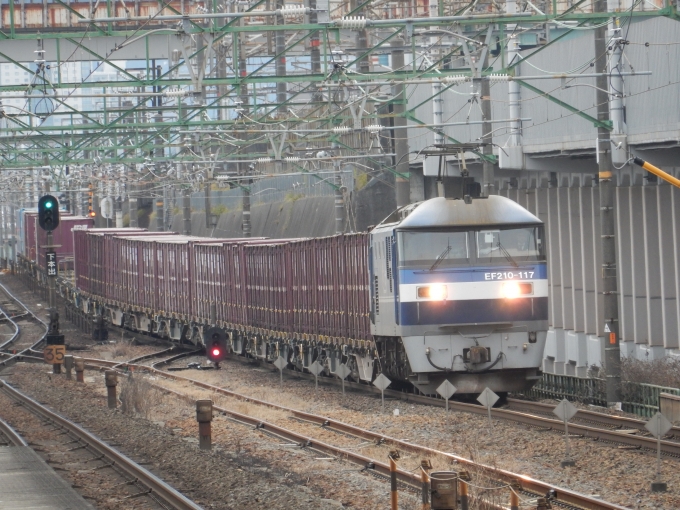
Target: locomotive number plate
x=509, y=275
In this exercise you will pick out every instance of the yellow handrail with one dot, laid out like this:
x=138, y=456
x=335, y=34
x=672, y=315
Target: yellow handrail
x=657, y=171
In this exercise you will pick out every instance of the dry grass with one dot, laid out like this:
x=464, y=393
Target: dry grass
x=139, y=397
x=662, y=372
x=123, y=349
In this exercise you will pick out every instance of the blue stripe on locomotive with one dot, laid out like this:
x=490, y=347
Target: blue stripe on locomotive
x=473, y=311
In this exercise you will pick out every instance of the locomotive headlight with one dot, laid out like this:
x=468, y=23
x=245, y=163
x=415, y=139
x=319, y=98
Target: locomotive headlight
x=437, y=292
x=512, y=290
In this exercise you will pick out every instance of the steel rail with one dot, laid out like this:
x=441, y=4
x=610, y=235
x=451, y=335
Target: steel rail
x=18, y=356
x=538, y=487
x=16, y=331
x=564, y=495
x=587, y=415
x=529, y=484
x=10, y=319
x=613, y=436
x=308, y=442
x=158, y=487
x=134, y=361
x=624, y=438
x=14, y=438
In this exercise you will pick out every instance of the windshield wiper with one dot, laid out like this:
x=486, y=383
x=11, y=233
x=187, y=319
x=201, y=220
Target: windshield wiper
x=441, y=258
x=506, y=254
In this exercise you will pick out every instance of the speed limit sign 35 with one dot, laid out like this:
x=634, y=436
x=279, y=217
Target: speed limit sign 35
x=54, y=354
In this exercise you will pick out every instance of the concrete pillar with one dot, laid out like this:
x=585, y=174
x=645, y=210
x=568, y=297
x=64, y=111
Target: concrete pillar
x=636, y=226
x=668, y=214
x=554, y=270
x=625, y=259
x=652, y=290
x=675, y=210
x=565, y=256
x=577, y=262
x=588, y=256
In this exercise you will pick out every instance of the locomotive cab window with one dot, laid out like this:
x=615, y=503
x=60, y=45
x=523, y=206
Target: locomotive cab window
x=430, y=250
x=513, y=245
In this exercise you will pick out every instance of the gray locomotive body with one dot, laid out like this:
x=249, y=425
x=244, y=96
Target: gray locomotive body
x=459, y=291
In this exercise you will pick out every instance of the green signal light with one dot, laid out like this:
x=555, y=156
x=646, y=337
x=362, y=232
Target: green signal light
x=48, y=205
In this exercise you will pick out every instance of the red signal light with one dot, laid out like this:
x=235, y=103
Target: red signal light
x=216, y=352
x=92, y=214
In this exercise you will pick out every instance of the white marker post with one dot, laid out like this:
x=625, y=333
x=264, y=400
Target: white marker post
x=488, y=398
x=381, y=382
x=342, y=372
x=280, y=363
x=565, y=411
x=658, y=426
x=446, y=390
x=316, y=369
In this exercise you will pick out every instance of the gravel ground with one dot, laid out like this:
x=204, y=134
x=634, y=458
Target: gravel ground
x=616, y=475
x=254, y=471
x=246, y=469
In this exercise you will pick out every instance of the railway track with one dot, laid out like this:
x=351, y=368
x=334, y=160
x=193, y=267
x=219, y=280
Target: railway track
x=530, y=488
x=597, y=426
x=18, y=345
x=154, y=487
x=9, y=436
x=533, y=491
x=620, y=423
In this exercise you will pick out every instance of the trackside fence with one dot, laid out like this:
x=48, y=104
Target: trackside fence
x=638, y=398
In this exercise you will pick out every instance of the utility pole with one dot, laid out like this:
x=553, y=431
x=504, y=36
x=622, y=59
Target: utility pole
x=186, y=202
x=488, y=186
x=607, y=219
x=132, y=206
x=243, y=168
x=339, y=199
x=400, y=131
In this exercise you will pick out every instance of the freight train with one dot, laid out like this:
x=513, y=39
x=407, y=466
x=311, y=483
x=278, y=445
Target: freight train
x=444, y=289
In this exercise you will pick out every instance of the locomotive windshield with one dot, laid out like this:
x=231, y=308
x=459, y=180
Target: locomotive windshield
x=433, y=249
x=512, y=245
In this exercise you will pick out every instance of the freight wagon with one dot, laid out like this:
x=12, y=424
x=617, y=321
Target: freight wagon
x=445, y=289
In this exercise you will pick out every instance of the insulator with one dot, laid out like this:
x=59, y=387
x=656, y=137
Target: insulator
x=455, y=80
x=342, y=130
x=291, y=159
x=175, y=93
x=292, y=10
x=352, y=22
x=262, y=161
x=493, y=78
x=374, y=128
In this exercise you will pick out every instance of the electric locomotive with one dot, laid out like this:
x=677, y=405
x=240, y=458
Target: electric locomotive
x=459, y=291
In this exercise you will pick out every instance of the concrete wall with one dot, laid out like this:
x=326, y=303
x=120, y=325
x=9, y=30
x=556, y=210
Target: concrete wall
x=648, y=261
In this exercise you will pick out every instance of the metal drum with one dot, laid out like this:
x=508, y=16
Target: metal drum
x=444, y=490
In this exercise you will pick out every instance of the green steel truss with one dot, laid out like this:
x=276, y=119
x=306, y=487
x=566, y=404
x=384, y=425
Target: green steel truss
x=89, y=111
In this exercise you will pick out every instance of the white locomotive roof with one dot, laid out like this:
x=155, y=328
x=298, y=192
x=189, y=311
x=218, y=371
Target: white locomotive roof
x=442, y=212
